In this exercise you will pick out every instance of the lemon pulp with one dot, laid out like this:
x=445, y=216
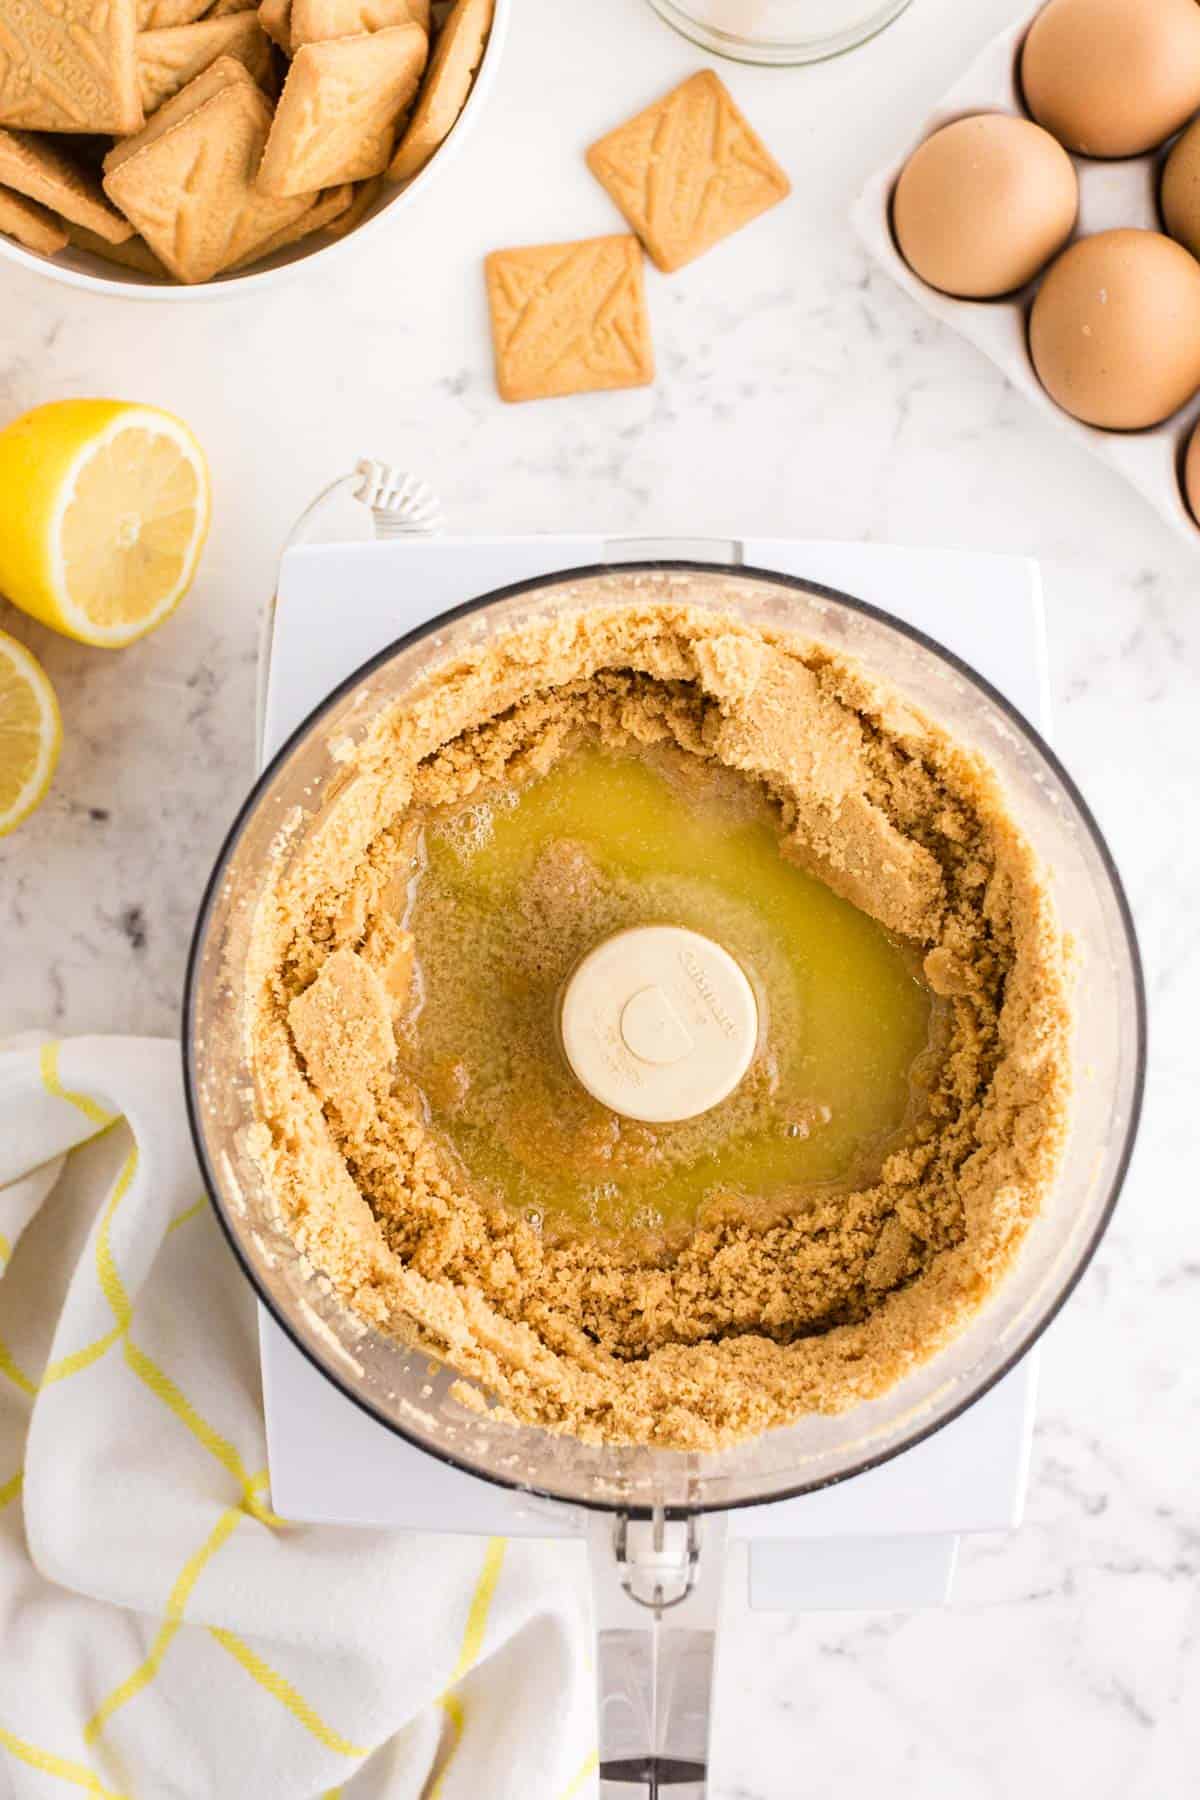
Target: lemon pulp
x=128, y=531
x=104, y=509
x=30, y=733
x=509, y=891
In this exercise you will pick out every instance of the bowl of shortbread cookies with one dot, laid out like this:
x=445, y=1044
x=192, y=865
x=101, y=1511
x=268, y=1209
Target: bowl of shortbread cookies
x=180, y=148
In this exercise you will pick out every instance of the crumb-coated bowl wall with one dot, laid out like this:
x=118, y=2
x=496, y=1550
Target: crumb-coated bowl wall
x=79, y=269
x=1111, y=194
x=398, y=1386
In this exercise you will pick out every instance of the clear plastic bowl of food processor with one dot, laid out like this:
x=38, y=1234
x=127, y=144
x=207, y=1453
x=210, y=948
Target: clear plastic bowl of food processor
x=396, y=1385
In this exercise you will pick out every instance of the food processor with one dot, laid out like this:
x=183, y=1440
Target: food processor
x=657, y=1520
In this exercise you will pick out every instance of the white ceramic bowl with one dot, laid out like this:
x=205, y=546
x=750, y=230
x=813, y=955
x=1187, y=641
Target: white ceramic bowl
x=79, y=269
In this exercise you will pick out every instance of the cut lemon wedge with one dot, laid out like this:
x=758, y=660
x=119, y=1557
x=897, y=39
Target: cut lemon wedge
x=30, y=732
x=104, y=509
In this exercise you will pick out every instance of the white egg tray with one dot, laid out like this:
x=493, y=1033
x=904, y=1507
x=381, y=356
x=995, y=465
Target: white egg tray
x=1110, y=194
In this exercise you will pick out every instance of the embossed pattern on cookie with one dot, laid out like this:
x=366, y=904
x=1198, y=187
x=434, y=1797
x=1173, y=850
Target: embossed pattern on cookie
x=225, y=72
x=191, y=193
x=688, y=171
x=569, y=318
x=168, y=60
x=336, y=118
x=69, y=65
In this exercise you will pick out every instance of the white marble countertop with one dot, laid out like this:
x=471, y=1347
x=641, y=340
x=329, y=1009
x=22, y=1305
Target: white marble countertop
x=798, y=393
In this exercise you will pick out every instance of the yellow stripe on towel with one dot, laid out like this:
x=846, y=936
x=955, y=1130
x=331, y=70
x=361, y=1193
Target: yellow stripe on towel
x=144, y=1366
x=46, y=1763
x=161, y=1385
x=111, y=1285
x=182, y=1218
x=10, y=1367
x=590, y=1764
x=144, y=1674
x=472, y=1644
x=481, y=1604
x=282, y=1690
x=80, y=1359
x=48, y=1064
x=11, y=1489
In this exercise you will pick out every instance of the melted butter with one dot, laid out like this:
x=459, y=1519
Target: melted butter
x=511, y=890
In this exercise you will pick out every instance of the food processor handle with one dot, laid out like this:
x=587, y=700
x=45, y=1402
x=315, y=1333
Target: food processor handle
x=656, y=1586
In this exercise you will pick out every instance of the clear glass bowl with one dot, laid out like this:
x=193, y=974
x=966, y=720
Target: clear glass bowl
x=395, y=1385
x=779, y=31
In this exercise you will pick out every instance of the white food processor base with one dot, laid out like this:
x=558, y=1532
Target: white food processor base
x=885, y=1539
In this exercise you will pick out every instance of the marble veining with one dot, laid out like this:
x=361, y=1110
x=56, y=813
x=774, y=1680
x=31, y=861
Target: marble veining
x=799, y=392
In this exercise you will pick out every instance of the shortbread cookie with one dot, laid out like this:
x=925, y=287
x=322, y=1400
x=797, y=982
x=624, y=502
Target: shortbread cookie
x=688, y=171
x=160, y=15
x=30, y=224
x=568, y=318
x=37, y=168
x=336, y=118
x=191, y=193
x=226, y=71
x=168, y=60
x=134, y=253
x=275, y=17
x=325, y=210
x=365, y=195
x=313, y=21
x=456, y=56
x=69, y=65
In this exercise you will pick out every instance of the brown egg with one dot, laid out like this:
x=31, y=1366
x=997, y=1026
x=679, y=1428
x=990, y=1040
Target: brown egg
x=1115, y=329
x=1180, y=191
x=1191, y=473
x=1113, y=77
x=982, y=204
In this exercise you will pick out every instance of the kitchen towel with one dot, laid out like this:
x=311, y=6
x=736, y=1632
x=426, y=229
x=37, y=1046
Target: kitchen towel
x=164, y=1635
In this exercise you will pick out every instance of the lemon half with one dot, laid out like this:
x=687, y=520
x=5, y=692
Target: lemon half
x=104, y=509
x=30, y=732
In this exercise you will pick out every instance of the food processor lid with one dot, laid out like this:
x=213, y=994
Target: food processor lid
x=659, y=1023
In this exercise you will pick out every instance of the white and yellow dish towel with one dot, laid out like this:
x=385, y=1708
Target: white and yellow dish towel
x=164, y=1635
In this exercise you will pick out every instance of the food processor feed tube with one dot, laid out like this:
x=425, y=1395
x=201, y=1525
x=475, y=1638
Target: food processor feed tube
x=655, y=1516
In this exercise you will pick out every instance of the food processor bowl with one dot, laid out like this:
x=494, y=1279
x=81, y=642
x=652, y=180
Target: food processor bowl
x=393, y=1383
